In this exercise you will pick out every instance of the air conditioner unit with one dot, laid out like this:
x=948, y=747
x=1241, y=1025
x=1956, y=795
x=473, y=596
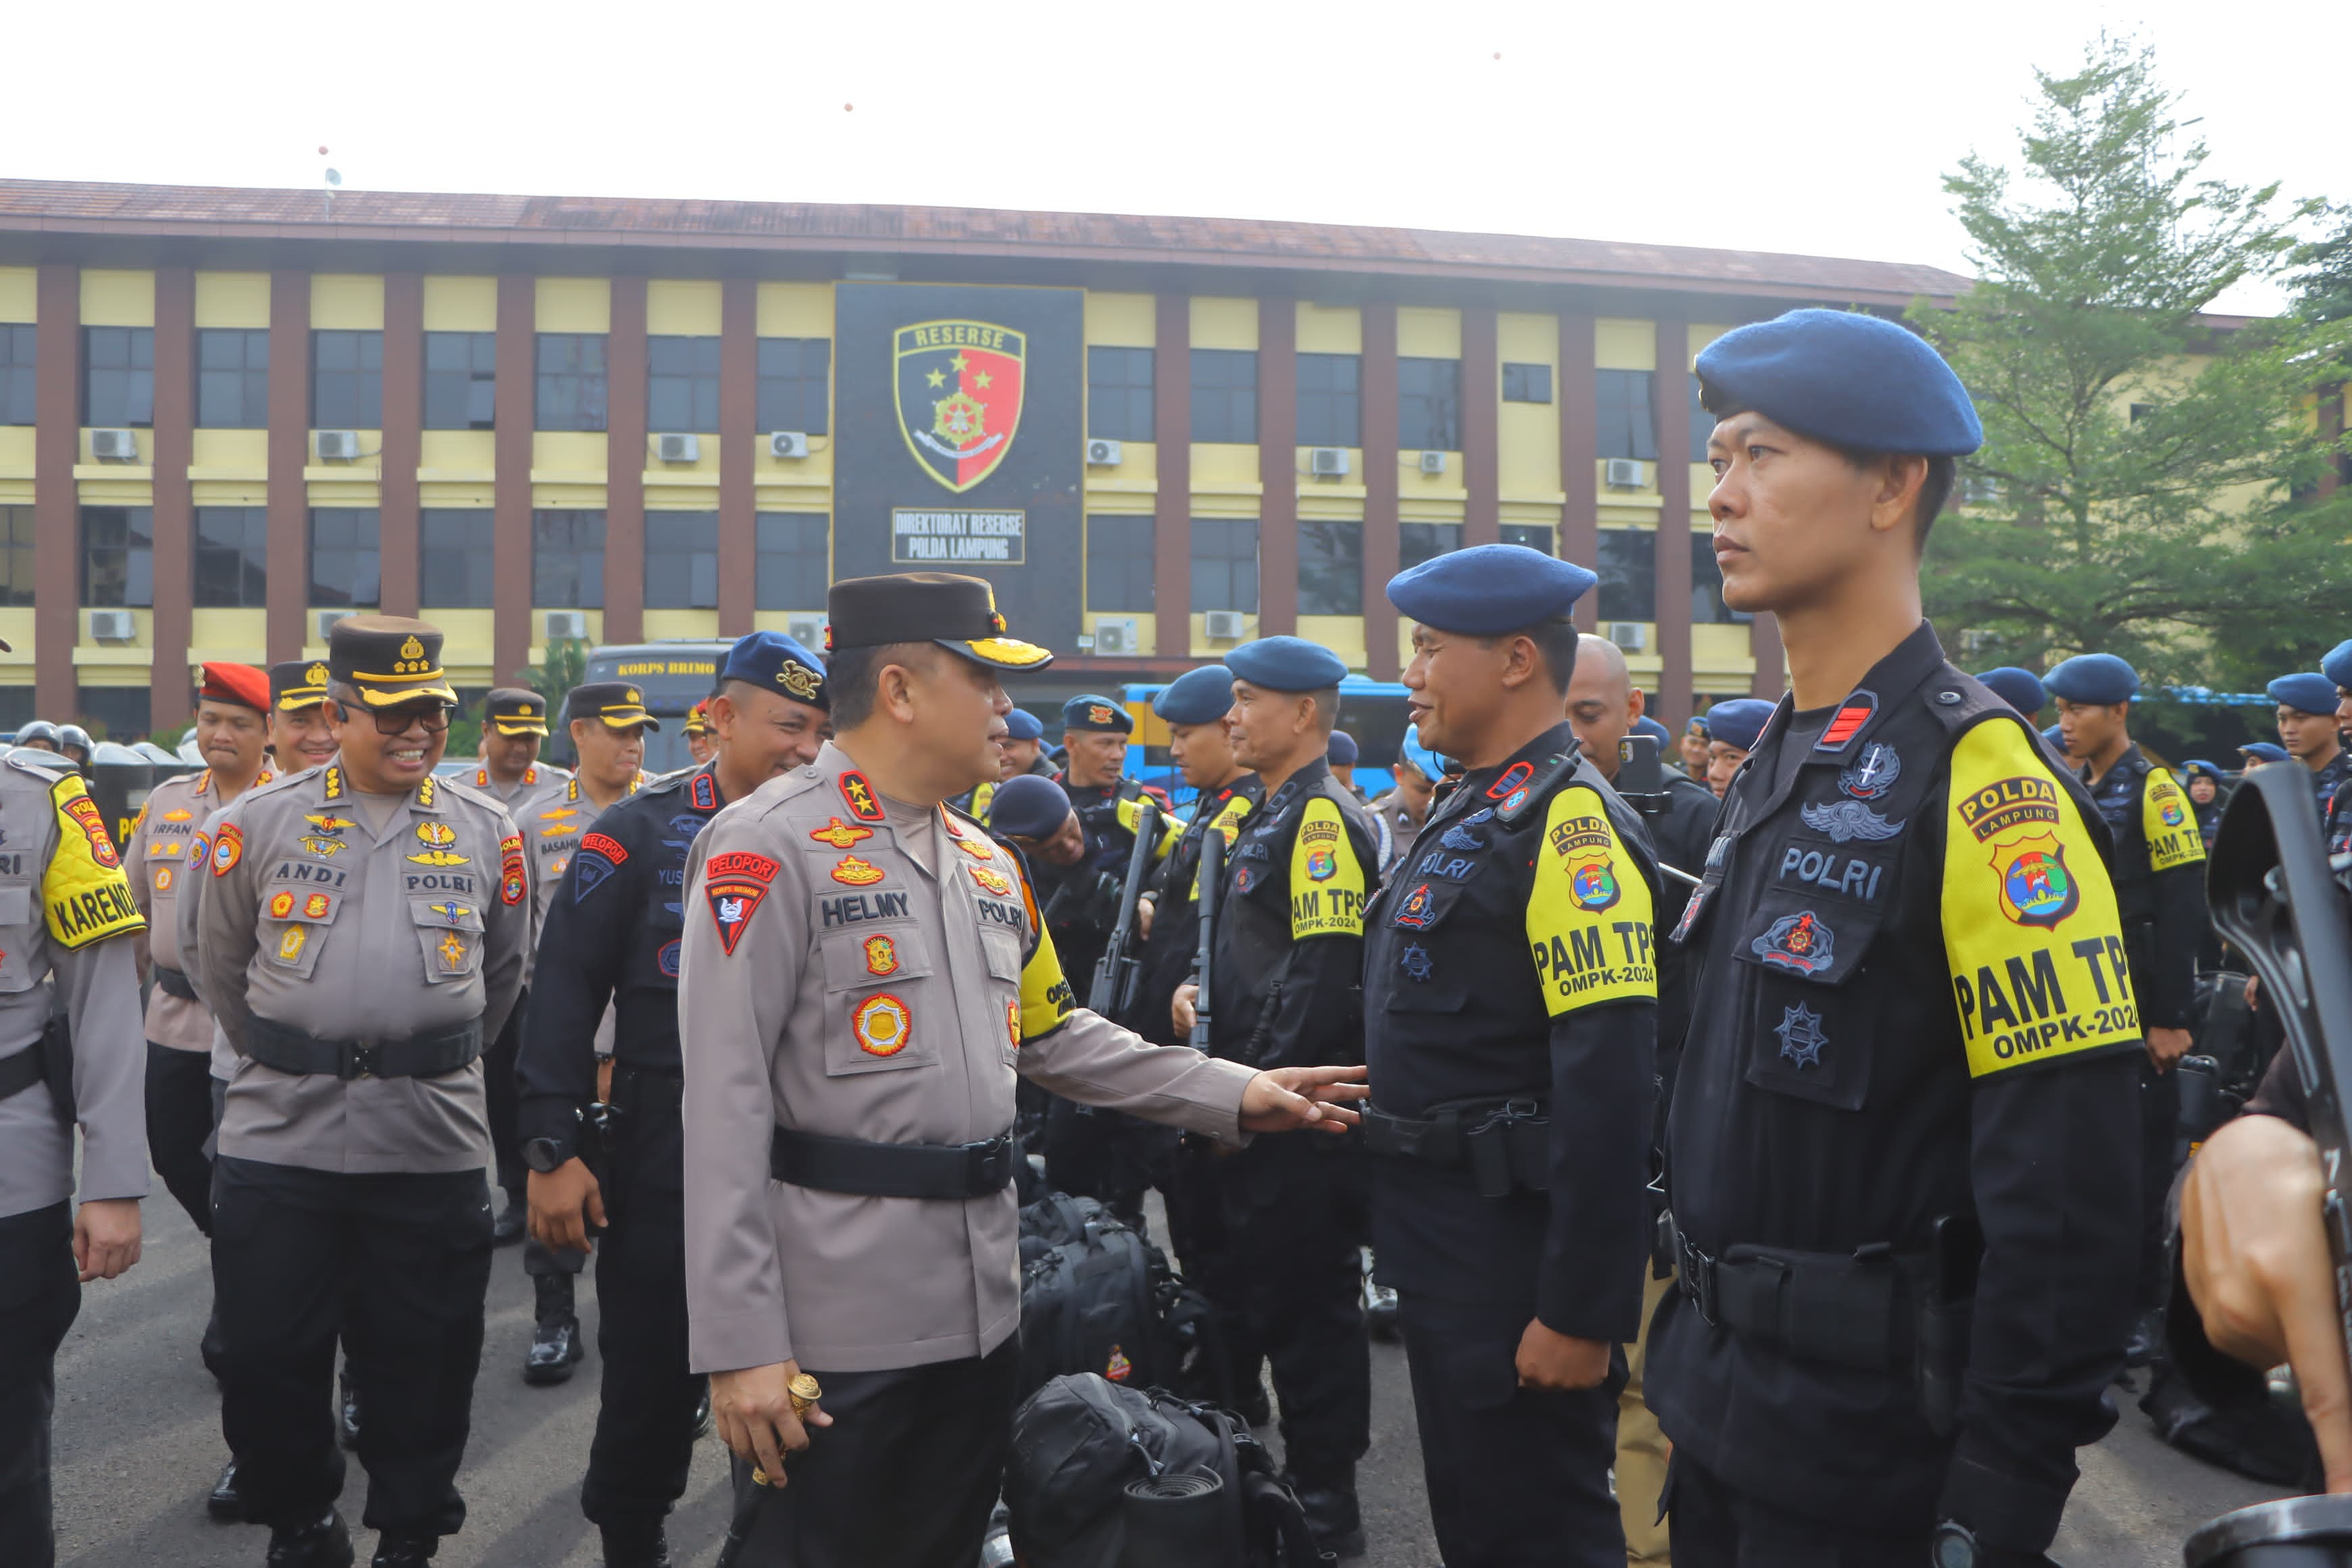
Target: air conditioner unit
x=679, y=448
x=114, y=446
x=1627, y=474
x=1225, y=625
x=326, y=620
x=336, y=446
x=1327, y=462
x=113, y=626
x=1104, y=454
x=806, y=630
x=1432, y=462
x=1118, y=639
x=567, y=626
x=787, y=444
x=1630, y=636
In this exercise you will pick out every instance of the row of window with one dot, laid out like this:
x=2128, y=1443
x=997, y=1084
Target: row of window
x=1330, y=410
x=454, y=557
x=1331, y=566
x=571, y=388
x=460, y=389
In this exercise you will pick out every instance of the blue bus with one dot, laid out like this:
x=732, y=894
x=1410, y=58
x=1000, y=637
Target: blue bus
x=1373, y=711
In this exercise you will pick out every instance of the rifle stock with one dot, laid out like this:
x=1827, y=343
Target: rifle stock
x=2275, y=897
x=1211, y=884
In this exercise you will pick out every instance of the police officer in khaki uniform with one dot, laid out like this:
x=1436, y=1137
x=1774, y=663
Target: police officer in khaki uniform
x=359, y=939
x=607, y=722
x=233, y=731
x=863, y=978
x=300, y=735
x=514, y=723
x=67, y=924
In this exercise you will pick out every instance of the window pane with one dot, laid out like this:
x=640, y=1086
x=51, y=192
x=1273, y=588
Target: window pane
x=1628, y=575
x=460, y=380
x=795, y=373
x=1119, y=563
x=455, y=558
x=1707, y=607
x=1429, y=404
x=1330, y=568
x=1330, y=400
x=346, y=380
x=794, y=571
x=567, y=561
x=1527, y=383
x=346, y=568
x=118, y=376
x=682, y=383
x=1420, y=542
x=17, y=405
x=231, y=556
x=1534, y=536
x=1225, y=564
x=15, y=555
x=1622, y=421
x=117, y=556
x=1119, y=393
x=681, y=560
x=1224, y=394
x=570, y=391
x=233, y=379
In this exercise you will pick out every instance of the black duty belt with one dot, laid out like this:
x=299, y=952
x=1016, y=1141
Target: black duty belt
x=892, y=1170
x=429, y=1055
x=21, y=1071
x=176, y=983
x=1503, y=1143
x=1852, y=1310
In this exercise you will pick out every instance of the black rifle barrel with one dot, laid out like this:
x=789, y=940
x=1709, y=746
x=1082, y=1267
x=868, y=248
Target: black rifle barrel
x=1211, y=884
x=1119, y=958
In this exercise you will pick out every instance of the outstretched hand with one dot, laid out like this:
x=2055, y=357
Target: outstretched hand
x=1286, y=1098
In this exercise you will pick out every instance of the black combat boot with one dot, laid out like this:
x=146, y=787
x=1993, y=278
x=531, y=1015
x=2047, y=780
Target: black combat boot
x=555, y=1345
x=404, y=1550
x=321, y=1544
x=635, y=1546
x=224, y=1502
x=1332, y=1516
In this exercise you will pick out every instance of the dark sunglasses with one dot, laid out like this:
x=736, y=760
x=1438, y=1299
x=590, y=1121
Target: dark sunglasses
x=389, y=721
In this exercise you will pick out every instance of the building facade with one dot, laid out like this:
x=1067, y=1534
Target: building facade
x=226, y=417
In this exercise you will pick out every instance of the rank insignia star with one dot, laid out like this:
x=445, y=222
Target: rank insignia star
x=1801, y=1036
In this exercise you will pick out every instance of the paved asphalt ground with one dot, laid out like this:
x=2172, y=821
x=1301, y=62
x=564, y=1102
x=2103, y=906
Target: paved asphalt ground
x=138, y=1444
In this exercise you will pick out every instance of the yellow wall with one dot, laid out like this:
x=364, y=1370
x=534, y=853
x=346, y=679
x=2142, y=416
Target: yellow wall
x=574, y=305
x=1203, y=648
x=1624, y=345
x=235, y=635
x=454, y=304
x=1330, y=328
x=1428, y=333
x=118, y=298
x=17, y=451
x=701, y=624
x=344, y=302
x=1529, y=433
x=795, y=310
x=232, y=298
x=19, y=286
x=687, y=307
x=1343, y=635
x=1121, y=320
x=1224, y=324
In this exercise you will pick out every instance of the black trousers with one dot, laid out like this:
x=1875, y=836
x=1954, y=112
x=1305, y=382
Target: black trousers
x=38, y=1299
x=905, y=1476
x=1293, y=1223
x=1107, y=1155
x=396, y=1266
x=2159, y=1125
x=1196, y=1230
x=505, y=1100
x=1714, y=1526
x=645, y=1425
x=179, y=1124
x=1518, y=1478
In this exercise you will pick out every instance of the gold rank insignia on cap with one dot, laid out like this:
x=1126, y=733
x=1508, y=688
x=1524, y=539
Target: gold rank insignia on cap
x=390, y=660
x=516, y=710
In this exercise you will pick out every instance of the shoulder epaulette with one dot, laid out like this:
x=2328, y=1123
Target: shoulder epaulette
x=1538, y=786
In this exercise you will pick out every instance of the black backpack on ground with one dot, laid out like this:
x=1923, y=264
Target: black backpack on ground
x=1098, y=1298
x=1105, y=1477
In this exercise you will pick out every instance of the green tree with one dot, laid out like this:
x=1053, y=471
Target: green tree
x=564, y=667
x=2129, y=496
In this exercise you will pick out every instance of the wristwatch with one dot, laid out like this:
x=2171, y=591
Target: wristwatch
x=544, y=1154
x=1954, y=1545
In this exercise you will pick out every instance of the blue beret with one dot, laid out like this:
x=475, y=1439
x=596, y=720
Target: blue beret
x=774, y=662
x=1488, y=589
x=1023, y=725
x=1739, y=721
x=1428, y=763
x=1342, y=752
x=1029, y=805
x=2020, y=689
x=2311, y=693
x=2267, y=751
x=1853, y=380
x=1104, y=715
x=2196, y=765
x=1200, y=696
x=1286, y=664
x=2100, y=678
x=2337, y=665
x=2056, y=736
x=1645, y=725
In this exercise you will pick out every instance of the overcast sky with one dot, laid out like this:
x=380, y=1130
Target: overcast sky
x=1802, y=126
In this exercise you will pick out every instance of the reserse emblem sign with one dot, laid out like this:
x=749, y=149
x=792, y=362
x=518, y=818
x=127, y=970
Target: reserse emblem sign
x=959, y=388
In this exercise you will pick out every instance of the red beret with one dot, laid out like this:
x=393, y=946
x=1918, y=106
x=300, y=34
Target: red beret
x=240, y=684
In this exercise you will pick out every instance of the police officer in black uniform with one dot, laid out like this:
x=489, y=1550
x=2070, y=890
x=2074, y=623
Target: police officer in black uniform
x=1510, y=1000
x=1286, y=992
x=2337, y=667
x=1094, y=732
x=1902, y=1150
x=2020, y=689
x=2308, y=729
x=613, y=933
x=2159, y=872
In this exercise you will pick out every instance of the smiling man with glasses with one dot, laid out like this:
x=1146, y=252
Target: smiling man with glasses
x=360, y=937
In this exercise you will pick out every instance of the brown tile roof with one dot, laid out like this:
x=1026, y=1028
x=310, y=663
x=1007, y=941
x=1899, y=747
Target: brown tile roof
x=70, y=208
